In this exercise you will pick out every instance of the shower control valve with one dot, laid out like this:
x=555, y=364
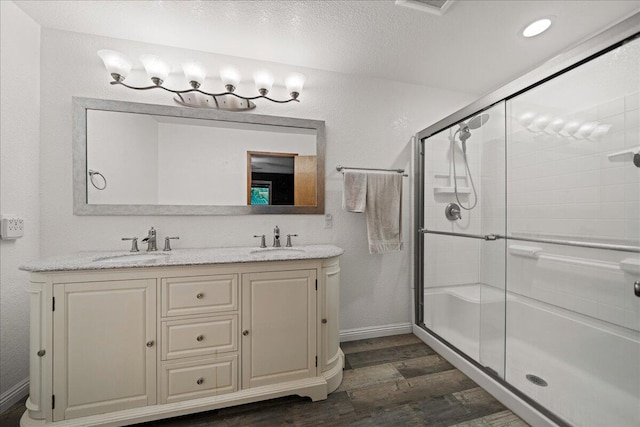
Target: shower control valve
x=452, y=212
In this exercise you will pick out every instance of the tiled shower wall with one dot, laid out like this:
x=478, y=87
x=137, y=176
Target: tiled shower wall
x=450, y=260
x=564, y=186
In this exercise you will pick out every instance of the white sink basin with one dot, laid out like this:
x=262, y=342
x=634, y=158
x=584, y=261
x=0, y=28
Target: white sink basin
x=132, y=258
x=275, y=251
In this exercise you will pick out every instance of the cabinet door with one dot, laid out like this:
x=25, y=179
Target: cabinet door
x=278, y=327
x=104, y=347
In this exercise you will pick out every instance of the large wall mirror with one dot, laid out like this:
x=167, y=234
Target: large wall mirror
x=142, y=159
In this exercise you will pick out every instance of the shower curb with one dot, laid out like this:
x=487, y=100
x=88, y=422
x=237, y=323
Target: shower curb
x=516, y=404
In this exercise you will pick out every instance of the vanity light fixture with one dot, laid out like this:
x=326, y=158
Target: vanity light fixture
x=537, y=27
x=119, y=66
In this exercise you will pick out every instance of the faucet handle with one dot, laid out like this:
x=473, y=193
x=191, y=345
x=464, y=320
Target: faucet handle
x=134, y=243
x=263, y=242
x=289, y=239
x=167, y=245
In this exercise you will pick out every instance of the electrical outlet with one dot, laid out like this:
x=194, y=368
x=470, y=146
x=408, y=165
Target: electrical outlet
x=12, y=227
x=328, y=221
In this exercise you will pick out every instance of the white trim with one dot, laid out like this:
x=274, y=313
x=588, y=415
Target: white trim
x=14, y=395
x=375, y=332
x=497, y=390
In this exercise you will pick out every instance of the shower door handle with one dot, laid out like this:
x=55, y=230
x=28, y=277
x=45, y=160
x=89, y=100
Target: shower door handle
x=636, y=288
x=467, y=235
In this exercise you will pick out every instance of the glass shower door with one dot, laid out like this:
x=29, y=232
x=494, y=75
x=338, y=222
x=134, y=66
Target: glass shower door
x=464, y=282
x=573, y=321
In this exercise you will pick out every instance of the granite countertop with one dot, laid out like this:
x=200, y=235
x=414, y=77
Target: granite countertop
x=121, y=259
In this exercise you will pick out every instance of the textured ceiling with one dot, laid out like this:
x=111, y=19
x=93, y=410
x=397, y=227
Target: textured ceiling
x=474, y=47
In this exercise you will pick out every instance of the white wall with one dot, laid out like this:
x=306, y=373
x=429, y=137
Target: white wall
x=19, y=182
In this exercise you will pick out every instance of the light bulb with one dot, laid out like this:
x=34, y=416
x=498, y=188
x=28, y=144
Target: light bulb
x=600, y=130
x=537, y=27
x=294, y=83
x=116, y=64
x=264, y=81
x=525, y=119
x=156, y=68
x=584, y=131
x=195, y=73
x=570, y=128
x=230, y=78
x=539, y=123
x=555, y=126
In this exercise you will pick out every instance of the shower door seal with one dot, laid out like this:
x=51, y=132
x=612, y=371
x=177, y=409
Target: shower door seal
x=605, y=246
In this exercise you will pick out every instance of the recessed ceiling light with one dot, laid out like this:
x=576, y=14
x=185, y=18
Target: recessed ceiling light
x=537, y=27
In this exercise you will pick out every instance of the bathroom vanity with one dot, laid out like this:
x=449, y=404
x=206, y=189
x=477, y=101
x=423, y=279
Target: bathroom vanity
x=120, y=338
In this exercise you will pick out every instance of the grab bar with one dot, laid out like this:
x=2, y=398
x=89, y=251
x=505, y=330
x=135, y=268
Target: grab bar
x=591, y=245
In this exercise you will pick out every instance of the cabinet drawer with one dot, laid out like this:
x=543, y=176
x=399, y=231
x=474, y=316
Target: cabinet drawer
x=201, y=378
x=199, y=294
x=199, y=337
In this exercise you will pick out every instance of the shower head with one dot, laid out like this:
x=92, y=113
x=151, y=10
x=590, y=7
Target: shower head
x=478, y=121
x=465, y=128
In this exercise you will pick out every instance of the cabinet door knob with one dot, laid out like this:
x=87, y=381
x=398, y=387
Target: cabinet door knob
x=199, y=337
x=150, y=343
x=200, y=381
x=245, y=332
x=41, y=353
x=200, y=295
x=324, y=320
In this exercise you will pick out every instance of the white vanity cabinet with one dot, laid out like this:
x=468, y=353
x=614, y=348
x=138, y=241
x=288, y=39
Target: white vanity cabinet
x=129, y=345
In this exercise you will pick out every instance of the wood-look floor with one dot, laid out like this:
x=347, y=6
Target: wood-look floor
x=390, y=381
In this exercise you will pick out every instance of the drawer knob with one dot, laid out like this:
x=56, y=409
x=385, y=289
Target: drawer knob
x=150, y=343
x=245, y=332
x=199, y=338
x=200, y=381
x=200, y=295
x=41, y=353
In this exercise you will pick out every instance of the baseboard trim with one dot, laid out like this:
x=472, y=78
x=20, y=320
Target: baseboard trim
x=14, y=395
x=375, y=331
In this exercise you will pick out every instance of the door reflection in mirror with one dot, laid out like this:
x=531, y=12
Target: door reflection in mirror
x=281, y=179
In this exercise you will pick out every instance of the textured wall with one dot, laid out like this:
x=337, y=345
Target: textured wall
x=19, y=181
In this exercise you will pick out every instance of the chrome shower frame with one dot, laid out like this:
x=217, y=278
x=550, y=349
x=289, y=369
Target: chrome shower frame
x=622, y=32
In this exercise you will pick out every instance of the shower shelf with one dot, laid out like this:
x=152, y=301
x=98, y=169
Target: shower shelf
x=451, y=190
x=444, y=184
x=624, y=154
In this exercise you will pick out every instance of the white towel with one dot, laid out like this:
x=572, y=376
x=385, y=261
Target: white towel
x=384, y=212
x=354, y=191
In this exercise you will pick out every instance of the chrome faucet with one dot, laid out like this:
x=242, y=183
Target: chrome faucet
x=167, y=243
x=150, y=240
x=289, y=245
x=263, y=243
x=134, y=243
x=276, y=237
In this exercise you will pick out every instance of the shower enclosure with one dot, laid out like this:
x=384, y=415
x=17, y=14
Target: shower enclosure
x=528, y=235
